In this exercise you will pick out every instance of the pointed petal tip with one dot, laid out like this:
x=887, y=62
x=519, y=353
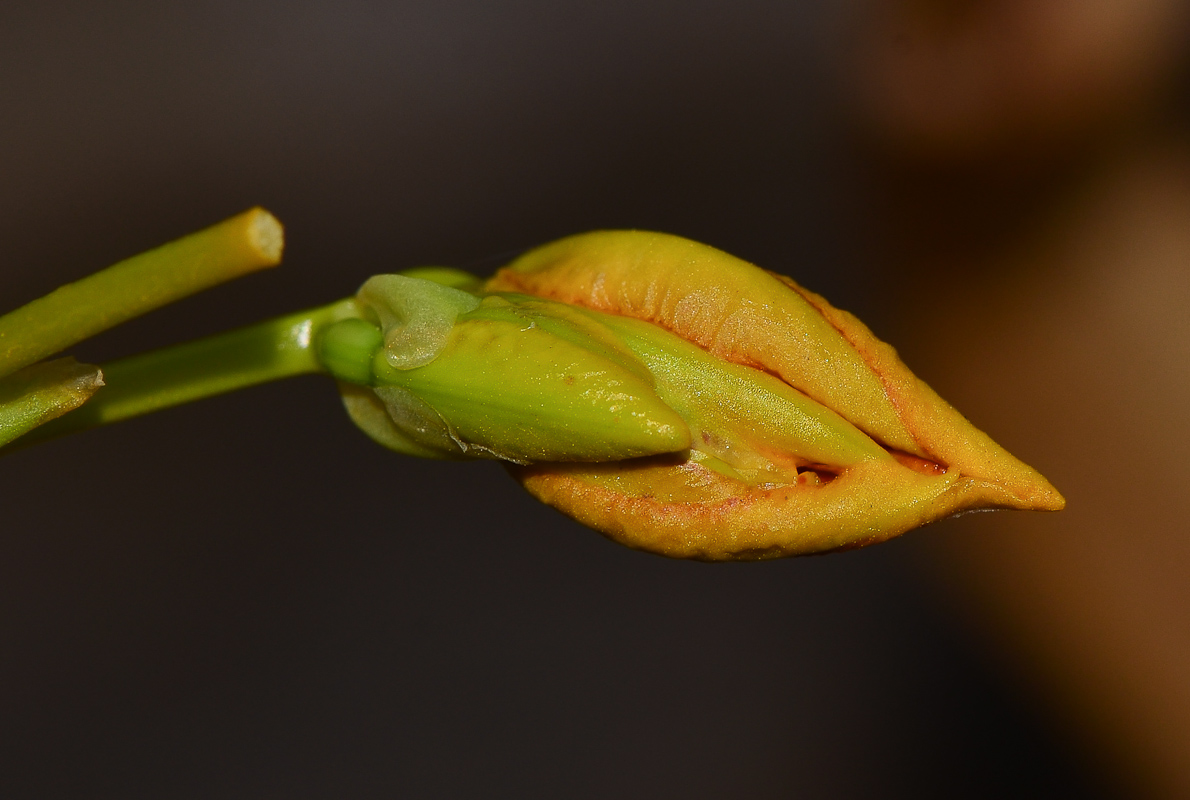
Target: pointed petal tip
x=1033, y=493
x=1044, y=497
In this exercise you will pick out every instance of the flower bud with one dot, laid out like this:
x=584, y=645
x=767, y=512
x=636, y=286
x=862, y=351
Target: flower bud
x=671, y=396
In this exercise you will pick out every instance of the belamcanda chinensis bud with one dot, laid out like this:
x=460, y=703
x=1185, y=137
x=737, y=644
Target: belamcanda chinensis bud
x=671, y=396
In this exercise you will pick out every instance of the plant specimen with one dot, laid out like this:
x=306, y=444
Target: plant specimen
x=665, y=393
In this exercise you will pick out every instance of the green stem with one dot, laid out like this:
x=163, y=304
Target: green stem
x=267, y=351
x=36, y=394
x=79, y=310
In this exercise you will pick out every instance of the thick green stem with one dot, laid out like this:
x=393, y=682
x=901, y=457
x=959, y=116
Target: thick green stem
x=267, y=351
x=79, y=310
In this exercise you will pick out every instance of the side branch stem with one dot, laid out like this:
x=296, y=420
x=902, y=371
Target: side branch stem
x=79, y=310
x=266, y=351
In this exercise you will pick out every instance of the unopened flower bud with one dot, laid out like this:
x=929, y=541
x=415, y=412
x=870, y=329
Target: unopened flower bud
x=671, y=396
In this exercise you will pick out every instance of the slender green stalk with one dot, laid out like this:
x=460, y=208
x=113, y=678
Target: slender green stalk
x=266, y=351
x=79, y=310
x=41, y=392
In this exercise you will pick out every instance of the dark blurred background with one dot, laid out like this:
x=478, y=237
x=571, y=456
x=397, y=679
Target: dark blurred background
x=248, y=598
